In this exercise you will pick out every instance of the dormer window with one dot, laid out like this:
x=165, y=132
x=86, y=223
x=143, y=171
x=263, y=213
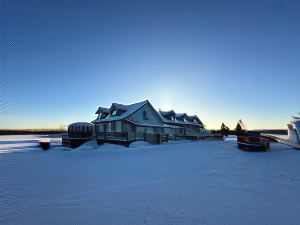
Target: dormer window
x=114, y=112
x=179, y=119
x=104, y=115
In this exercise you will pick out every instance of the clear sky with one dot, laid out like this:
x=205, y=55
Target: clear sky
x=221, y=60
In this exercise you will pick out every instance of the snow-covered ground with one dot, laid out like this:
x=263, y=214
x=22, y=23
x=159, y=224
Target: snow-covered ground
x=204, y=182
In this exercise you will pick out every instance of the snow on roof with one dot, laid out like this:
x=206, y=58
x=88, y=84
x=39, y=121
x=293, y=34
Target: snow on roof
x=179, y=115
x=149, y=125
x=130, y=109
x=191, y=118
x=195, y=117
x=81, y=124
x=102, y=110
x=164, y=114
x=118, y=106
x=167, y=113
x=187, y=123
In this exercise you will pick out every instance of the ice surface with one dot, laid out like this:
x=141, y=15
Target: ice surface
x=25, y=143
x=191, y=182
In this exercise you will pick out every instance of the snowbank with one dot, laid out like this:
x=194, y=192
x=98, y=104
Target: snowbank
x=140, y=144
x=92, y=145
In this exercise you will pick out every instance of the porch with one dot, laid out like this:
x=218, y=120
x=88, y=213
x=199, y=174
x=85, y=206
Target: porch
x=126, y=138
x=74, y=142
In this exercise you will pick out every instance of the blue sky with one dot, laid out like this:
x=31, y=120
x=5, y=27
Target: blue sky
x=221, y=60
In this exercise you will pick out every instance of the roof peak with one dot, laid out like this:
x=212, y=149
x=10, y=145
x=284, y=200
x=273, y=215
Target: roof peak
x=102, y=110
x=123, y=111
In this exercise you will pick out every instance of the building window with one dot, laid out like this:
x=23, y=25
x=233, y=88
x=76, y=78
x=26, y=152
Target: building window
x=157, y=130
x=133, y=128
x=113, y=126
x=145, y=115
x=105, y=128
x=114, y=112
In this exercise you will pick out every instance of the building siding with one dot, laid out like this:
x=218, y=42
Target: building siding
x=145, y=115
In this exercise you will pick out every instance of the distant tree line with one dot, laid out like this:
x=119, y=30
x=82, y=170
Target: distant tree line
x=31, y=131
x=267, y=131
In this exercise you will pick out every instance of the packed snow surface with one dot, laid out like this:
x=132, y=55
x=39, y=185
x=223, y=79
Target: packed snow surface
x=204, y=182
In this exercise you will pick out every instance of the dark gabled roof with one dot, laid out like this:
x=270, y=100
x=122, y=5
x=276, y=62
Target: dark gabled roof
x=181, y=115
x=117, y=106
x=164, y=116
x=167, y=113
x=128, y=110
x=102, y=110
x=192, y=118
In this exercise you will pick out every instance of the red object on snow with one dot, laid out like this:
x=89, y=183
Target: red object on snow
x=45, y=145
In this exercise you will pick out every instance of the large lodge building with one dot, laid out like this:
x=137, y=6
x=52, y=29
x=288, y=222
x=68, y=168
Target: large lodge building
x=124, y=124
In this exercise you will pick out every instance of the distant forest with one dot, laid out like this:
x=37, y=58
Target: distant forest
x=266, y=131
x=61, y=131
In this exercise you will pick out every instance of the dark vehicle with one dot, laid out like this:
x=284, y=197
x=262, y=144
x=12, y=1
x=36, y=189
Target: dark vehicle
x=250, y=140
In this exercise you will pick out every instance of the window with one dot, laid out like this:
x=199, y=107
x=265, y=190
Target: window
x=114, y=112
x=145, y=115
x=113, y=126
x=157, y=130
x=133, y=128
x=104, y=115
